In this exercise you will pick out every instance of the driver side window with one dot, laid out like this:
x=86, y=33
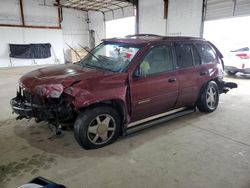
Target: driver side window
x=158, y=60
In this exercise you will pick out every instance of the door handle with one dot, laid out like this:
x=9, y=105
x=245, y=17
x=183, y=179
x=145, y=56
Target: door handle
x=203, y=73
x=170, y=80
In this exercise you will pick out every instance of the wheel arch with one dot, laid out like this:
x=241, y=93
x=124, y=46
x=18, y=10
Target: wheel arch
x=216, y=80
x=118, y=104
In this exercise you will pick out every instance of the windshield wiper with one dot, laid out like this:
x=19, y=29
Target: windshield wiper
x=100, y=62
x=89, y=52
x=73, y=50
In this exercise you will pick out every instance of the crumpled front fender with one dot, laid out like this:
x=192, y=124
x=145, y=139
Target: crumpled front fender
x=84, y=98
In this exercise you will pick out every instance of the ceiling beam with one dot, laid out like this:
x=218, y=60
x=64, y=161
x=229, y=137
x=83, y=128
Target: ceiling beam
x=94, y=5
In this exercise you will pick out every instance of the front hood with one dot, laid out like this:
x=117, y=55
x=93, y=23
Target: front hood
x=57, y=78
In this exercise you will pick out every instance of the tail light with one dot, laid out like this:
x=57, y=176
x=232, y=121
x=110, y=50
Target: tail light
x=243, y=56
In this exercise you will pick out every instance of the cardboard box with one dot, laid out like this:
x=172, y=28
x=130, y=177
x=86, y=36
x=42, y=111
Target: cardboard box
x=73, y=57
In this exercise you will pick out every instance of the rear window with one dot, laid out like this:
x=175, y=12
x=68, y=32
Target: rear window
x=206, y=53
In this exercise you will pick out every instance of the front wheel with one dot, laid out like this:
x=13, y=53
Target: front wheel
x=209, y=98
x=97, y=127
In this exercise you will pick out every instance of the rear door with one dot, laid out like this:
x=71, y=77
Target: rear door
x=211, y=66
x=154, y=87
x=188, y=74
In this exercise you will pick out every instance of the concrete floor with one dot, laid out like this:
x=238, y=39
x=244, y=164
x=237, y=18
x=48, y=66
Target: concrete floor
x=198, y=150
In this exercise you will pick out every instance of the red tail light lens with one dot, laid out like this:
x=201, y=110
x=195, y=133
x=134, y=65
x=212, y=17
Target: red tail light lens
x=243, y=56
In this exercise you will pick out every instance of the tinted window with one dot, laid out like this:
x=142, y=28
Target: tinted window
x=206, y=53
x=184, y=55
x=197, y=59
x=158, y=60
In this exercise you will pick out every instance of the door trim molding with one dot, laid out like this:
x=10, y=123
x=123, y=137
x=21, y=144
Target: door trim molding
x=155, y=117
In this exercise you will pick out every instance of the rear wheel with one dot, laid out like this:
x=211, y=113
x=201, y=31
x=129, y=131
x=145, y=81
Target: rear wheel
x=97, y=127
x=209, y=98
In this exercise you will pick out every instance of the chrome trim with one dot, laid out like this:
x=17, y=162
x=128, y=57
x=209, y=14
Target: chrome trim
x=33, y=105
x=144, y=101
x=155, y=117
x=26, y=104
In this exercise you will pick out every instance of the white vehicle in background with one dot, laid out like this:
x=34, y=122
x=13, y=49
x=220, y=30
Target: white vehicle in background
x=238, y=61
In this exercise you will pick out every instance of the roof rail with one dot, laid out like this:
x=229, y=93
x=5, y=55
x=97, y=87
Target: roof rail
x=143, y=35
x=181, y=37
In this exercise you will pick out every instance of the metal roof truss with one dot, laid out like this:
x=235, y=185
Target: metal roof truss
x=97, y=5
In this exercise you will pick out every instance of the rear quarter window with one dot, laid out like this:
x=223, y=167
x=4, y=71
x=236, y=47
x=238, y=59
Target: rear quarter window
x=206, y=53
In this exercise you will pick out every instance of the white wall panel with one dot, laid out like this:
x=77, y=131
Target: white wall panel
x=184, y=18
x=26, y=36
x=38, y=13
x=151, y=15
x=10, y=12
x=75, y=28
x=97, y=24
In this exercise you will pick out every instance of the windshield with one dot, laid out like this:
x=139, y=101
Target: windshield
x=112, y=57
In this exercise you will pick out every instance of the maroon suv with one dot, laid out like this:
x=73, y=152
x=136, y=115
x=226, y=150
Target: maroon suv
x=123, y=85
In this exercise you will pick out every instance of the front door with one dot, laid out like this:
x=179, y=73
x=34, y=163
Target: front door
x=154, y=87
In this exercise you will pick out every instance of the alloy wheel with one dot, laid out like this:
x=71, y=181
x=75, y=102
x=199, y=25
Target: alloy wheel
x=211, y=98
x=101, y=129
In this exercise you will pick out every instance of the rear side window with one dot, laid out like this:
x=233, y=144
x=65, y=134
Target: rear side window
x=184, y=55
x=206, y=53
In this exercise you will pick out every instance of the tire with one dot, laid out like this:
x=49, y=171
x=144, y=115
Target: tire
x=230, y=73
x=209, y=98
x=97, y=127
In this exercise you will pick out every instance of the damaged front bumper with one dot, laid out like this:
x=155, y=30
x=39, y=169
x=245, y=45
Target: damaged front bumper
x=28, y=106
x=27, y=110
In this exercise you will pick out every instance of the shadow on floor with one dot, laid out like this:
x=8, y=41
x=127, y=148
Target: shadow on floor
x=39, y=136
x=239, y=76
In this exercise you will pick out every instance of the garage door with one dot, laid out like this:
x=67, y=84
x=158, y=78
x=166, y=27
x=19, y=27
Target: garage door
x=120, y=13
x=218, y=9
x=111, y=9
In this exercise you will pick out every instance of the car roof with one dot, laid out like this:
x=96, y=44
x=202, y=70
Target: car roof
x=143, y=39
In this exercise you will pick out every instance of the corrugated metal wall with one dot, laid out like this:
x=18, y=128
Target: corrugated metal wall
x=217, y=9
x=120, y=13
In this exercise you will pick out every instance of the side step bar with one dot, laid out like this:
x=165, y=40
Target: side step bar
x=154, y=122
